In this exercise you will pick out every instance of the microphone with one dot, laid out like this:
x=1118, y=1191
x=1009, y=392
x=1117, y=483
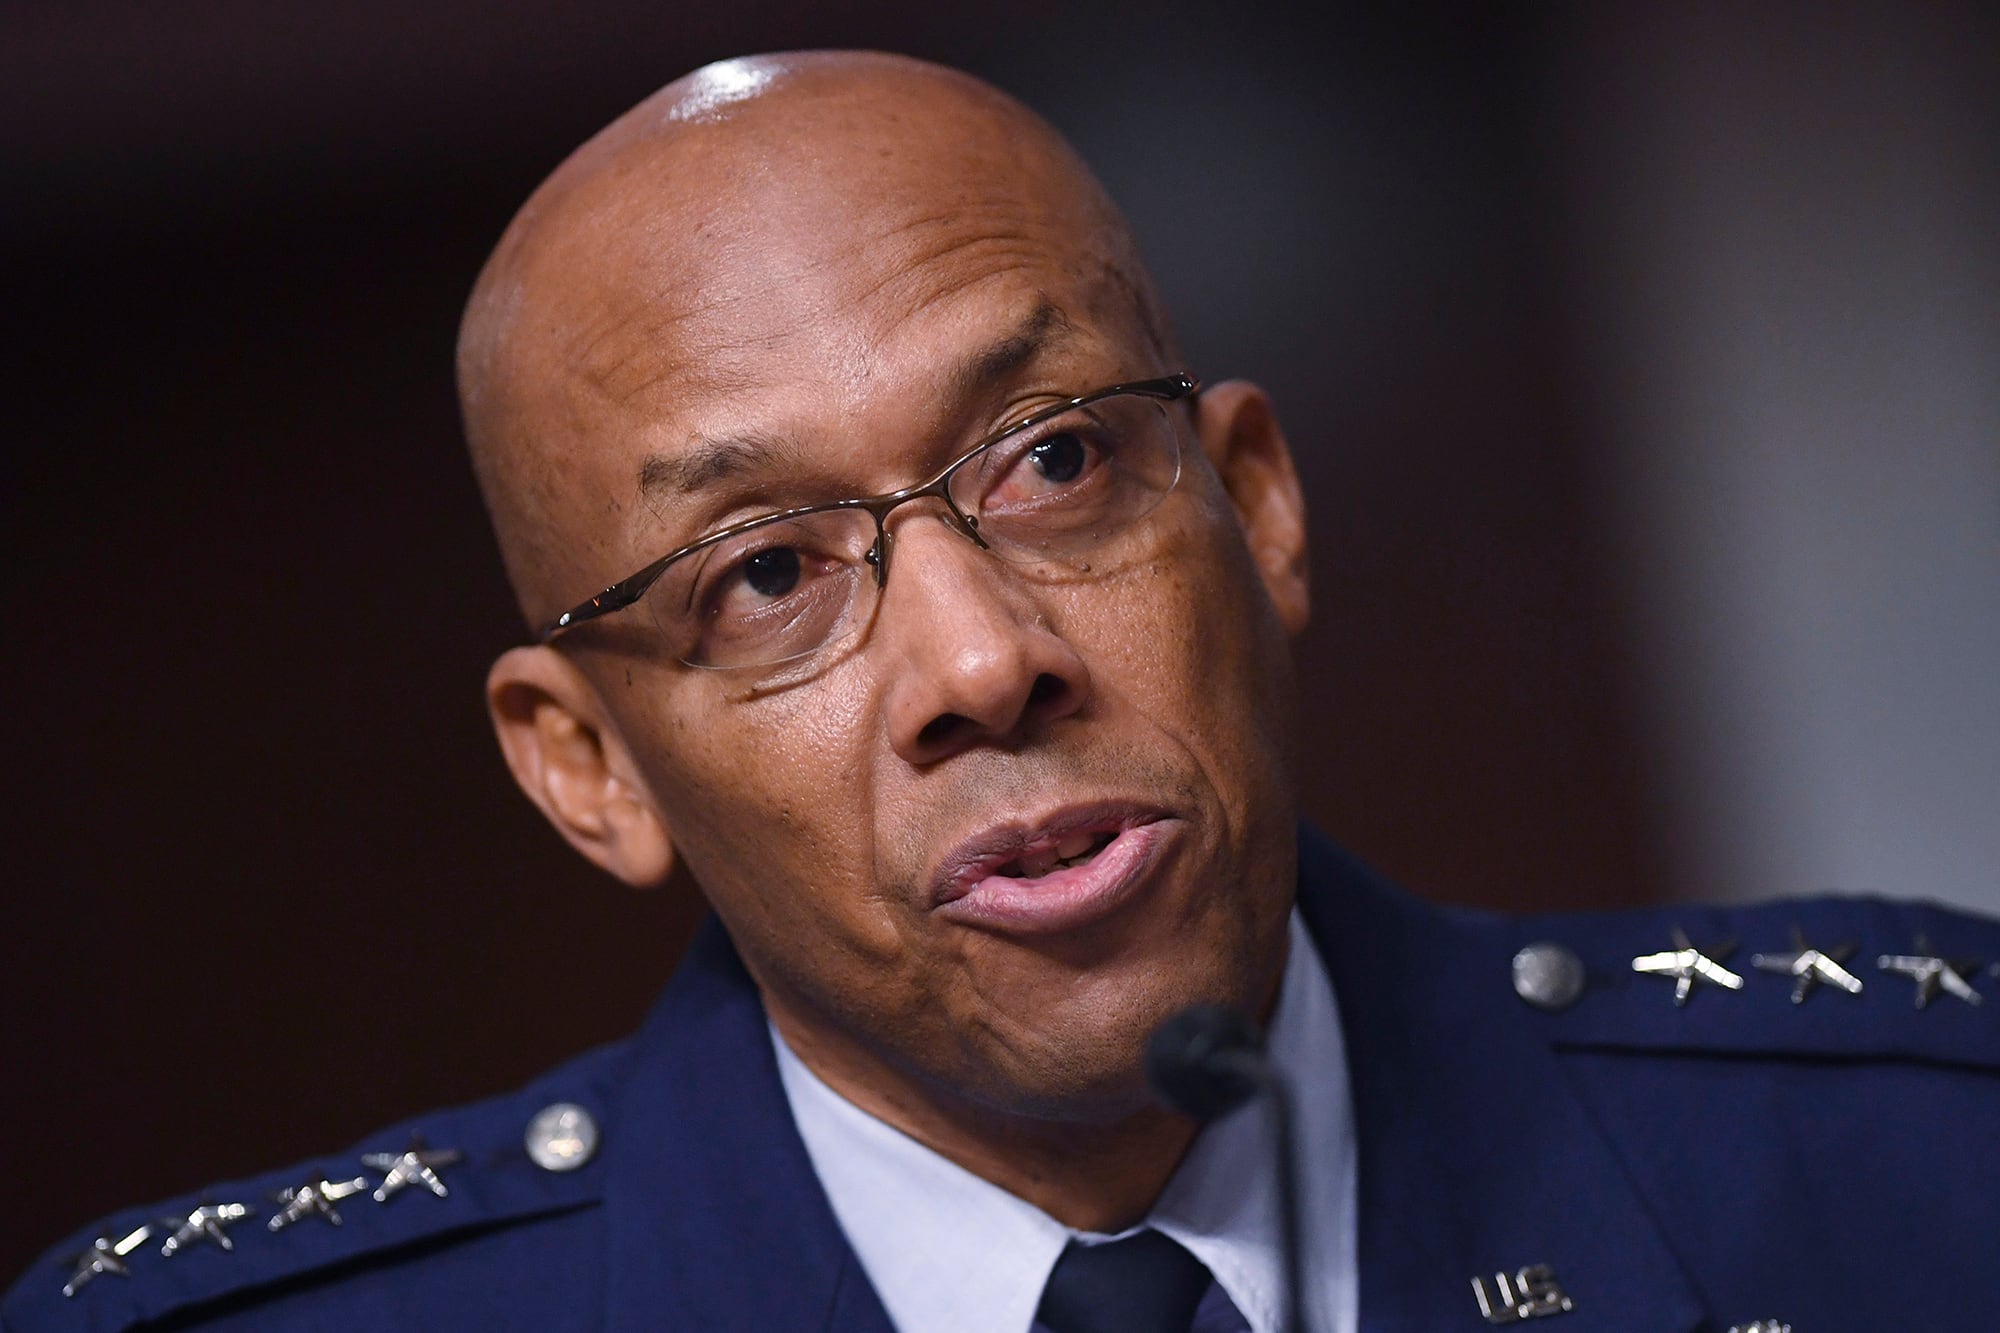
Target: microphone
x=1206, y=1061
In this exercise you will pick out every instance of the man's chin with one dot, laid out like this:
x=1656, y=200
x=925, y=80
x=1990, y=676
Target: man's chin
x=1085, y=1067
x=1096, y=1095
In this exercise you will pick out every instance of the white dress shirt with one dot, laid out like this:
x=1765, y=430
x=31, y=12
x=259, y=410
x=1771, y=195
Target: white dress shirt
x=949, y=1252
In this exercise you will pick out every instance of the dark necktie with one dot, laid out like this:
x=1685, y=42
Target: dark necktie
x=1145, y=1283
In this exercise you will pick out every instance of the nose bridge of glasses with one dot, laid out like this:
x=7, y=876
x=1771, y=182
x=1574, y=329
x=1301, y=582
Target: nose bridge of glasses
x=948, y=513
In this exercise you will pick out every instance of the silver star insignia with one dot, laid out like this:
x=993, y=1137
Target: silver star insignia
x=1685, y=964
x=206, y=1222
x=1809, y=966
x=315, y=1198
x=104, y=1256
x=414, y=1165
x=1932, y=973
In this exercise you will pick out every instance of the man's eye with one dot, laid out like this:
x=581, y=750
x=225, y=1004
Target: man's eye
x=751, y=582
x=772, y=573
x=1057, y=467
x=1059, y=458
x=766, y=595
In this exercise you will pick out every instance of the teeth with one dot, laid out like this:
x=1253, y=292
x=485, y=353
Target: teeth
x=1071, y=851
x=1038, y=863
x=1075, y=845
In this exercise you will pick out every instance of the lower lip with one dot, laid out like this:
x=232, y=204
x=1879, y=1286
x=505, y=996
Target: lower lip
x=1068, y=898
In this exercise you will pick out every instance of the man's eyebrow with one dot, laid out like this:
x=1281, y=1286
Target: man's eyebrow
x=1045, y=326
x=709, y=460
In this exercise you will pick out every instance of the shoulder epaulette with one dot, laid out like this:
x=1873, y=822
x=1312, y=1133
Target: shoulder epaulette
x=458, y=1173
x=1833, y=977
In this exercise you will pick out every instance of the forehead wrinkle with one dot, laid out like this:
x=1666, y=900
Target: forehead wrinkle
x=620, y=365
x=982, y=255
x=627, y=352
x=638, y=336
x=921, y=286
x=710, y=460
x=647, y=310
x=1015, y=240
x=897, y=251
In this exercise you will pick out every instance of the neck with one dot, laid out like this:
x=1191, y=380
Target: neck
x=1102, y=1173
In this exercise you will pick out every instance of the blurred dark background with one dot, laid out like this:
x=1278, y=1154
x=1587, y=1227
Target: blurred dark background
x=1539, y=288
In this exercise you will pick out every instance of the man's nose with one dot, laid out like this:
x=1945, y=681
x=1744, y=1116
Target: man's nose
x=971, y=659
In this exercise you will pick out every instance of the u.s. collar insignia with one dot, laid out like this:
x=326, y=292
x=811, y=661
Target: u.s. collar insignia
x=1527, y=1293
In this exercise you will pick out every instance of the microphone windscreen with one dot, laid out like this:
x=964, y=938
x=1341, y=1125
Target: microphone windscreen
x=1204, y=1061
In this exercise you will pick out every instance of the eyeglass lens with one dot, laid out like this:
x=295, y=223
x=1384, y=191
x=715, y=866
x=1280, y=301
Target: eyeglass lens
x=792, y=586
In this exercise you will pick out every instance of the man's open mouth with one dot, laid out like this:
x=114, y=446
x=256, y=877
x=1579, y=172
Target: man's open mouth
x=1074, y=850
x=1064, y=870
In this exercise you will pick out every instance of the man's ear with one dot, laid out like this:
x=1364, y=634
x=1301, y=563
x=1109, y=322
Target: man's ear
x=1241, y=436
x=573, y=765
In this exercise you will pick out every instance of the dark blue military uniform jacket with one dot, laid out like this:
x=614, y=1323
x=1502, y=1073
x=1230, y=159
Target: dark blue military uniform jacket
x=1832, y=1163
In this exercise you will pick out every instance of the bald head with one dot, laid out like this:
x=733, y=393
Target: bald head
x=774, y=212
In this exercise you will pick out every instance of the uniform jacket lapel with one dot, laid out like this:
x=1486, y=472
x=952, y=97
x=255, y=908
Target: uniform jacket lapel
x=1475, y=1158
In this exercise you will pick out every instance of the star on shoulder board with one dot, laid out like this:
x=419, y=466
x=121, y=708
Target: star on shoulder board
x=1687, y=964
x=415, y=1165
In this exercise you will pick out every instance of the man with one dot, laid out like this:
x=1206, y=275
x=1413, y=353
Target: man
x=943, y=635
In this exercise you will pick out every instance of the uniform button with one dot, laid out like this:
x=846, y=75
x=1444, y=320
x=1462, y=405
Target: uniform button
x=1548, y=976
x=562, y=1137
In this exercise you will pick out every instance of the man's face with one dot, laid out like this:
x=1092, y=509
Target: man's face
x=876, y=827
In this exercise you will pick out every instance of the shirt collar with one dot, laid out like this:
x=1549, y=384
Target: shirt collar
x=947, y=1249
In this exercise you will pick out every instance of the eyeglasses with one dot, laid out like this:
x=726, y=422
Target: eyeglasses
x=788, y=585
